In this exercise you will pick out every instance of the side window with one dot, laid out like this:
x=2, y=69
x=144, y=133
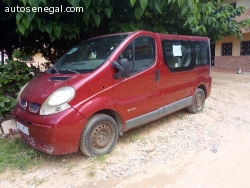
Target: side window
x=140, y=54
x=127, y=53
x=144, y=53
x=201, y=53
x=177, y=55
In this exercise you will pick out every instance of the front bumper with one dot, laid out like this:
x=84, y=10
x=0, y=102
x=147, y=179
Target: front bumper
x=56, y=134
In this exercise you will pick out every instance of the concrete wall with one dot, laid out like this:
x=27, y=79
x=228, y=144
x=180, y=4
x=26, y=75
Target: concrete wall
x=244, y=16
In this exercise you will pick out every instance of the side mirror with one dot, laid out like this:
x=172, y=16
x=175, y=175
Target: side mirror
x=123, y=68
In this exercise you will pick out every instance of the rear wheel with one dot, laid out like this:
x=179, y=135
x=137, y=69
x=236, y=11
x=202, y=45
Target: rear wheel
x=198, y=101
x=99, y=135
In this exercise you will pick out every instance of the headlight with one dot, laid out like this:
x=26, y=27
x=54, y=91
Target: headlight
x=21, y=90
x=58, y=101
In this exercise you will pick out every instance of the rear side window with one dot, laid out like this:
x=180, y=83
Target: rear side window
x=177, y=55
x=201, y=53
x=140, y=54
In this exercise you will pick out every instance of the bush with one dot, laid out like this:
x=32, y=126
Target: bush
x=13, y=76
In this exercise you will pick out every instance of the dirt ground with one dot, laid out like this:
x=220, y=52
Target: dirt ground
x=210, y=149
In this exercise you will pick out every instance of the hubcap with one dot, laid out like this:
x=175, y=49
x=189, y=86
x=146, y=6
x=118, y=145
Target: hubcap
x=101, y=135
x=198, y=101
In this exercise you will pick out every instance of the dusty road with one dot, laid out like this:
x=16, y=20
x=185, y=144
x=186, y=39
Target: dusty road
x=211, y=149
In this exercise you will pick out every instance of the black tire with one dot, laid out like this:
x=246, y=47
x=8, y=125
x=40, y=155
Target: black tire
x=99, y=135
x=198, y=101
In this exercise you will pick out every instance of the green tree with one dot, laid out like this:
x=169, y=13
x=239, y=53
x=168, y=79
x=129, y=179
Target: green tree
x=217, y=21
x=57, y=30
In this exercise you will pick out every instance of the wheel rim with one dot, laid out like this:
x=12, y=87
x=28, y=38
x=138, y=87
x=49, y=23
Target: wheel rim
x=101, y=136
x=199, y=101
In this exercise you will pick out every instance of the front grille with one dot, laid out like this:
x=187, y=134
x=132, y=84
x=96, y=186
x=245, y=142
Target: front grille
x=23, y=104
x=34, y=107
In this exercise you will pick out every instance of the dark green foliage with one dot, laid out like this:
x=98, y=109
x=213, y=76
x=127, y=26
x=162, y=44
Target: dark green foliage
x=55, y=30
x=13, y=76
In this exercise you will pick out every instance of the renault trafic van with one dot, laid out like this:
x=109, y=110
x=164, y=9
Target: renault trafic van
x=107, y=85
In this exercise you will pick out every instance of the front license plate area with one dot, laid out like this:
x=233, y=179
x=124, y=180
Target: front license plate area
x=22, y=128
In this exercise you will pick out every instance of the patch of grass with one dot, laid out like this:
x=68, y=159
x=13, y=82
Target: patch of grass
x=161, y=138
x=36, y=181
x=91, y=171
x=91, y=174
x=100, y=159
x=134, y=138
x=16, y=154
x=181, y=116
x=142, y=139
x=71, y=166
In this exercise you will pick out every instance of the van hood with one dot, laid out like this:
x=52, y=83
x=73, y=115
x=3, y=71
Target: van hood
x=41, y=87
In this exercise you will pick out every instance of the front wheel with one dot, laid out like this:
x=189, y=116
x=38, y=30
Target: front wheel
x=198, y=101
x=99, y=135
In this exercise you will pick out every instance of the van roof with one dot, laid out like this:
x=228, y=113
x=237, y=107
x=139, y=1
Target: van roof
x=161, y=35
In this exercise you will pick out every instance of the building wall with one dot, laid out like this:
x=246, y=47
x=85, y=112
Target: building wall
x=233, y=63
x=236, y=44
x=37, y=61
x=236, y=60
x=38, y=58
x=244, y=3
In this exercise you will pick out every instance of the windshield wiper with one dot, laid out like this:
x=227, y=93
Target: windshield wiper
x=69, y=70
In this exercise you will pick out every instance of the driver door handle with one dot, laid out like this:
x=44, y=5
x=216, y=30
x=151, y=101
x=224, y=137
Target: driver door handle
x=157, y=75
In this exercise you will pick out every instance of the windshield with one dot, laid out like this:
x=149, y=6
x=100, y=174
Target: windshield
x=88, y=55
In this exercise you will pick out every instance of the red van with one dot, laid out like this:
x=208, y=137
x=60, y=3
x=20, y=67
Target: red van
x=107, y=85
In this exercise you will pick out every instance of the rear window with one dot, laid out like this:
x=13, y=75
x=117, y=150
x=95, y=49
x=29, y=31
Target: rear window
x=201, y=53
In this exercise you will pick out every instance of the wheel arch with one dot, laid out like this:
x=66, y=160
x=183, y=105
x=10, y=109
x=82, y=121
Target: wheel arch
x=203, y=87
x=101, y=105
x=115, y=116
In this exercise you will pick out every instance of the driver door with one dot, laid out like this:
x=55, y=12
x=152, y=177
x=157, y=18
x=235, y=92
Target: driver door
x=138, y=94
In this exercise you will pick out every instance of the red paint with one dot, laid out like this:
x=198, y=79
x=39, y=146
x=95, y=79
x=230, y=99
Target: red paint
x=131, y=97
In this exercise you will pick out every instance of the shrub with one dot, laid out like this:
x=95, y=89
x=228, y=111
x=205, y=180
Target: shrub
x=13, y=76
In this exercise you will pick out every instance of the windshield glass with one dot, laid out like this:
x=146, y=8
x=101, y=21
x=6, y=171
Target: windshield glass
x=88, y=55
